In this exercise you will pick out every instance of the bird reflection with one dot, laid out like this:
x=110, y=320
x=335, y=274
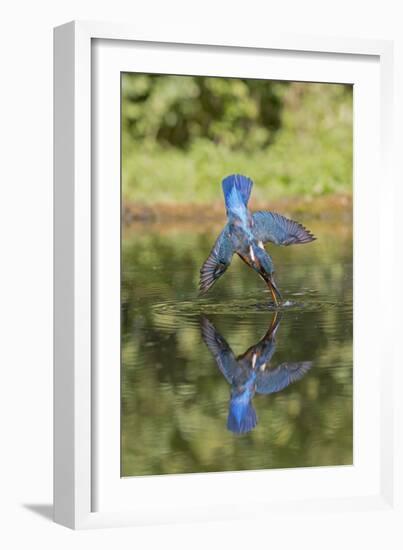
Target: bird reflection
x=250, y=373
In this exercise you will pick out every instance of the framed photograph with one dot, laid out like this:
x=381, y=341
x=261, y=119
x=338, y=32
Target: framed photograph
x=222, y=216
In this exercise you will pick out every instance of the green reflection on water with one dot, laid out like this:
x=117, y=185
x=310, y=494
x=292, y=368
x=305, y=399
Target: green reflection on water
x=175, y=399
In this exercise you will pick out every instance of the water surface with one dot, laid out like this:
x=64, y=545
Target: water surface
x=175, y=399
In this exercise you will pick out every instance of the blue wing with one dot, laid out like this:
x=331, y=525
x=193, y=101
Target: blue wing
x=217, y=262
x=236, y=190
x=220, y=350
x=272, y=227
x=273, y=380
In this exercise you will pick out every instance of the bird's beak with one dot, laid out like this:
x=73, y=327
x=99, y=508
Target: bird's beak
x=275, y=323
x=276, y=295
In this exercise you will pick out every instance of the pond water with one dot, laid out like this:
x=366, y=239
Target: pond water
x=175, y=398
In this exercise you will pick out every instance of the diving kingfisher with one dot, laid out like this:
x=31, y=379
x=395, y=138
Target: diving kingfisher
x=246, y=233
x=250, y=373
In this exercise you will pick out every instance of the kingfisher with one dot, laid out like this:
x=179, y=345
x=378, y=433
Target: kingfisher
x=250, y=373
x=246, y=234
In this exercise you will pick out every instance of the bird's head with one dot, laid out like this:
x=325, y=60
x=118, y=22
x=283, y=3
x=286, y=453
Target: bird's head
x=256, y=257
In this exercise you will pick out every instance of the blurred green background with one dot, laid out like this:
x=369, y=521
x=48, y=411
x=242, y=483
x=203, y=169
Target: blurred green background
x=182, y=134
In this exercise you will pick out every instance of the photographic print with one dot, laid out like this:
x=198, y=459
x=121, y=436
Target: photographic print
x=236, y=274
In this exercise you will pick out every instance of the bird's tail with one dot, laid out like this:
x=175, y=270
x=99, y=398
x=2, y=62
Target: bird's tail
x=237, y=191
x=242, y=416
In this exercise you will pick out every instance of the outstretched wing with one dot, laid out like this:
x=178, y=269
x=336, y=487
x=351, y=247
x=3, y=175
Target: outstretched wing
x=272, y=227
x=218, y=261
x=220, y=350
x=277, y=379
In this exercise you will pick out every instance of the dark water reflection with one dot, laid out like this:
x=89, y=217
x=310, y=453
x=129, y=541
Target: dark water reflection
x=175, y=401
x=251, y=372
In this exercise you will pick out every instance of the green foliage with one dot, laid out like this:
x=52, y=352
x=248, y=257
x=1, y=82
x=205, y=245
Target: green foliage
x=182, y=135
x=176, y=111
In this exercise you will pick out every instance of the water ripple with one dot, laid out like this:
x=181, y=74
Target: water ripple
x=192, y=308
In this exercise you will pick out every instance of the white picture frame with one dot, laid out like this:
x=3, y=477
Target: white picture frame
x=88, y=491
